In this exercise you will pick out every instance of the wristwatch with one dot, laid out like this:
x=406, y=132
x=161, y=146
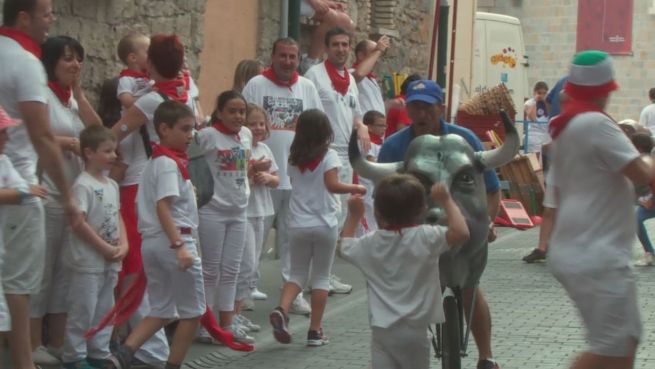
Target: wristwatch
x=177, y=244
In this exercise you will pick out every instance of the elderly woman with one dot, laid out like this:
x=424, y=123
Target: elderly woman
x=69, y=113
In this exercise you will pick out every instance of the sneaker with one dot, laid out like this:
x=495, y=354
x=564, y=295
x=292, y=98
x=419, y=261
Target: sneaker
x=42, y=356
x=100, y=363
x=535, y=255
x=258, y=295
x=240, y=335
x=316, y=338
x=122, y=359
x=300, y=306
x=280, y=321
x=247, y=324
x=82, y=364
x=487, y=364
x=248, y=305
x=204, y=337
x=336, y=286
x=646, y=260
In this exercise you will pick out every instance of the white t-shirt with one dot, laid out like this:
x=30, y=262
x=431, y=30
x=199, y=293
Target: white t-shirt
x=23, y=79
x=595, y=226
x=342, y=110
x=370, y=186
x=64, y=121
x=228, y=162
x=134, y=86
x=162, y=178
x=647, y=117
x=260, y=203
x=9, y=178
x=370, y=95
x=311, y=204
x=537, y=133
x=283, y=106
x=99, y=201
x=147, y=104
x=402, y=273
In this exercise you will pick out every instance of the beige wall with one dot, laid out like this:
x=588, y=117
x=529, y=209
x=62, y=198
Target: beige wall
x=230, y=36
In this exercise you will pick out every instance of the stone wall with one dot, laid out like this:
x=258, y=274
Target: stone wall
x=99, y=25
x=408, y=54
x=549, y=29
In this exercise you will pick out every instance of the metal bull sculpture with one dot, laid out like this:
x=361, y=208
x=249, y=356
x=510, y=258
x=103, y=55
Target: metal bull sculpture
x=451, y=160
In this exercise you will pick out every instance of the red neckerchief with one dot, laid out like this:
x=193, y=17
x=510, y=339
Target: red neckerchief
x=311, y=165
x=571, y=109
x=339, y=83
x=371, y=76
x=179, y=157
x=25, y=41
x=270, y=74
x=398, y=228
x=134, y=74
x=219, y=126
x=63, y=94
x=175, y=89
x=187, y=79
x=375, y=139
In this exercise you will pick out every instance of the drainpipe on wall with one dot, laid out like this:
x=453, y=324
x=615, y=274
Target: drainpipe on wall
x=294, y=19
x=435, y=32
x=442, y=44
x=284, y=18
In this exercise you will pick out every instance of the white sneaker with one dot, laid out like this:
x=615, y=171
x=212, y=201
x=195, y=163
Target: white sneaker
x=247, y=324
x=240, y=335
x=646, y=260
x=336, y=286
x=300, y=306
x=41, y=356
x=248, y=305
x=204, y=337
x=258, y=295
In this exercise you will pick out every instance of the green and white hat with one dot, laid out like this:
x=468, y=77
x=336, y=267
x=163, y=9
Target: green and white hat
x=591, y=76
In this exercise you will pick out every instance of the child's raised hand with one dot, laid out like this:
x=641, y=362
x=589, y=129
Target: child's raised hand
x=356, y=206
x=38, y=191
x=184, y=258
x=439, y=193
x=358, y=190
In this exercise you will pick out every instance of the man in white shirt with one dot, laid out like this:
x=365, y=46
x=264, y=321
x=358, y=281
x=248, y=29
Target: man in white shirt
x=367, y=54
x=23, y=95
x=647, y=117
x=340, y=97
x=284, y=95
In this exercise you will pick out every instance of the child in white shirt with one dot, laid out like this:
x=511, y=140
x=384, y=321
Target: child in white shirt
x=376, y=123
x=313, y=220
x=260, y=206
x=227, y=145
x=95, y=253
x=133, y=81
x=401, y=264
x=168, y=217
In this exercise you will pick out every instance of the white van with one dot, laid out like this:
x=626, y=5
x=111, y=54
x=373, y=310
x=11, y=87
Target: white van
x=499, y=57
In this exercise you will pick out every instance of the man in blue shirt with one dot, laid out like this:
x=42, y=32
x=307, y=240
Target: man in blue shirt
x=425, y=109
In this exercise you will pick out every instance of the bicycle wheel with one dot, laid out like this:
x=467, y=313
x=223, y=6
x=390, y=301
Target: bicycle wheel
x=450, y=340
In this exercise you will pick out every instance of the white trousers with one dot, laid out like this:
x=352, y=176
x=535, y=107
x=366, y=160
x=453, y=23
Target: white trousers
x=345, y=176
x=91, y=296
x=400, y=346
x=312, y=247
x=5, y=319
x=222, y=239
x=24, y=239
x=155, y=350
x=52, y=298
x=249, y=271
x=281, y=200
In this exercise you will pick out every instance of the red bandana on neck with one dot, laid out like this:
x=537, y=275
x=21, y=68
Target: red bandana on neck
x=312, y=164
x=571, y=109
x=398, y=228
x=179, y=157
x=63, y=94
x=187, y=79
x=219, y=126
x=175, y=89
x=375, y=139
x=134, y=74
x=270, y=74
x=371, y=76
x=24, y=40
x=339, y=83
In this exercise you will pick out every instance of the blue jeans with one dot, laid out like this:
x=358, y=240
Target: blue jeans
x=644, y=214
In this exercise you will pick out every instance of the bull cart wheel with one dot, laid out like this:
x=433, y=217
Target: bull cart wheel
x=450, y=335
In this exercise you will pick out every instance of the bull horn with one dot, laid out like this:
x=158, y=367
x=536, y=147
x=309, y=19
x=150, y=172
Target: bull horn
x=502, y=155
x=364, y=168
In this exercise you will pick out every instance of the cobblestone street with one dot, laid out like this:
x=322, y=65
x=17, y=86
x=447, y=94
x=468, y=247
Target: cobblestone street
x=534, y=323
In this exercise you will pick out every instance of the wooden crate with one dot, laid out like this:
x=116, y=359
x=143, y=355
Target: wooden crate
x=525, y=183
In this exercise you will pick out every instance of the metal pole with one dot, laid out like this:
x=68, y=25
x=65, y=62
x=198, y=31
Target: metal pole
x=442, y=48
x=284, y=18
x=451, y=71
x=435, y=32
x=294, y=19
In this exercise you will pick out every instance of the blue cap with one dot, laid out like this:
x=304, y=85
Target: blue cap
x=424, y=90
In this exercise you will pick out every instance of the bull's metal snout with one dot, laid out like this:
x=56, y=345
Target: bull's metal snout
x=436, y=216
